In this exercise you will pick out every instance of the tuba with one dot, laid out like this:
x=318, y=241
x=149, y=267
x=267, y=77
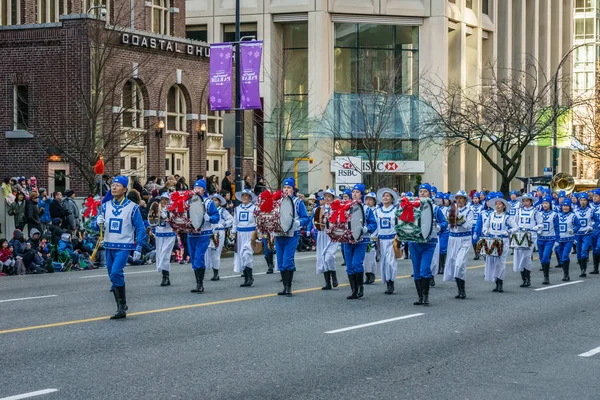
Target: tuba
x=562, y=181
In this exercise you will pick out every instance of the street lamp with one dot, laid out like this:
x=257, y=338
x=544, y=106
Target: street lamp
x=101, y=7
x=159, y=129
x=202, y=131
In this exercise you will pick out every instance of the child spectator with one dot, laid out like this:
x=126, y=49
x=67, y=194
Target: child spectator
x=55, y=231
x=32, y=258
x=66, y=247
x=7, y=261
x=17, y=243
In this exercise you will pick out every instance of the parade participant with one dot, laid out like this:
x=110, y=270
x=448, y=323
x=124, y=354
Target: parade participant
x=548, y=236
x=124, y=232
x=588, y=220
x=477, y=208
x=421, y=254
x=405, y=244
x=244, y=226
x=370, y=265
x=528, y=219
x=499, y=225
x=347, y=195
x=459, y=243
x=385, y=215
x=483, y=216
x=213, y=254
x=165, y=239
x=286, y=244
x=355, y=252
x=483, y=199
x=326, y=248
x=596, y=233
x=568, y=225
x=514, y=203
x=439, y=260
x=434, y=192
x=198, y=241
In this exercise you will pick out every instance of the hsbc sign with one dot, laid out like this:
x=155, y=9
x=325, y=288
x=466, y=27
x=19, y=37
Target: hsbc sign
x=347, y=170
x=401, y=167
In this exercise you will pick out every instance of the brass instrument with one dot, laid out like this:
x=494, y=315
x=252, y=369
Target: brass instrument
x=154, y=214
x=562, y=181
x=452, y=215
x=97, y=247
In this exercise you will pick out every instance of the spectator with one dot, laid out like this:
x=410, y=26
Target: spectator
x=261, y=186
x=17, y=210
x=213, y=184
x=55, y=231
x=22, y=186
x=44, y=207
x=72, y=211
x=181, y=185
x=56, y=207
x=65, y=247
x=248, y=182
x=134, y=195
x=7, y=191
x=227, y=184
x=105, y=185
x=32, y=258
x=32, y=213
x=150, y=184
x=7, y=260
x=17, y=243
x=229, y=206
x=136, y=184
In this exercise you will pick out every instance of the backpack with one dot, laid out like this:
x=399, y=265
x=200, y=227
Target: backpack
x=20, y=266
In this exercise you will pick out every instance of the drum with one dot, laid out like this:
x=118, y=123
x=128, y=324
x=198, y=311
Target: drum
x=490, y=246
x=521, y=240
x=154, y=214
x=415, y=220
x=398, y=248
x=318, y=219
x=257, y=244
x=186, y=213
x=280, y=220
x=196, y=211
x=345, y=222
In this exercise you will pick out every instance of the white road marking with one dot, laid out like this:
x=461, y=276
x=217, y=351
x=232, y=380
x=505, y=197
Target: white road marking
x=28, y=298
x=590, y=353
x=30, y=394
x=239, y=276
x=555, y=286
x=384, y=321
x=124, y=273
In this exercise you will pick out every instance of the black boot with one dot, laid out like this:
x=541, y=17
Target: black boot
x=284, y=279
x=269, y=263
x=497, y=285
x=359, y=284
x=334, y=281
x=583, y=265
x=458, y=287
x=419, y=292
x=596, y=264
x=165, y=278
x=565, y=267
x=199, y=280
x=442, y=264
x=215, y=275
x=391, y=288
x=527, y=278
x=249, y=280
x=289, y=285
x=557, y=260
x=425, y=288
x=327, y=276
x=476, y=253
x=463, y=292
x=432, y=281
x=546, y=268
x=353, y=286
x=500, y=283
x=523, y=278
x=121, y=303
x=370, y=278
x=387, y=291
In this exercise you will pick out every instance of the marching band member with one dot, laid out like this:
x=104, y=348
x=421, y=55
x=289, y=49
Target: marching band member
x=568, y=225
x=528, y=219
x=548, y=236
x=355, y=252
x=385, y=215
x=499, y=225
x=405, y=244
x=213, y=254
x=421, y=254
x=514, y=203
x=124, y=232
x=286, y=244
x=587, y=219
x=165, y=239
x=483, y=216
x=439, y=263
x=326, y=248
x=596, y=234
x=244, y=226
x=371, y=256
x=198, y=241
x=459, y=244
x=477, y=208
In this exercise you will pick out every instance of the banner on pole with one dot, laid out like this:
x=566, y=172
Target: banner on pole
x=220, y=89
x=250, y=56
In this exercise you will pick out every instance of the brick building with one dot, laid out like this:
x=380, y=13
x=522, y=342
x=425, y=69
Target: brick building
x=80, y=79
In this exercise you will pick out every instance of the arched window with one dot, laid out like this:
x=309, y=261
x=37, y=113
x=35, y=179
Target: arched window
x=10, y=12
x=160, y=17
x=133, y=106
x=51, y=10
x=176, y=110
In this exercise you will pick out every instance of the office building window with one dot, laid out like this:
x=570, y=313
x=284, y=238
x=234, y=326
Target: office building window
x=214, y=122
x=248, y=29
x=21, y=107
x=133, y=106
x=215, y=165
x=584, y=28
x=486, y=6
x=469, y=4
x=176, y=109
x=584, y=5
x=51, y=10
x=160, y=17
x=197, y=32
x=10, y=12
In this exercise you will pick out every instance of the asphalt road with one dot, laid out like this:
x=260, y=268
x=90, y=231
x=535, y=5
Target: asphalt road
x=248, y=343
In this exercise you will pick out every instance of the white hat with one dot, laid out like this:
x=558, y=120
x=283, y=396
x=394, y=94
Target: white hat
x=165, y=195
x=249, y=192
x=218, y=197
x=526, y=196
x=331, y=192
x=371, y=195
x=491, y=203
x=312, y=197
x=383, y=191
x=460, y=193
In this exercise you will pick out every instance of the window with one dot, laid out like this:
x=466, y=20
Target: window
x=214, y=123
x=21, y=107
x=215, y=165
x=133, y=106
x=122, y=163
x=584, y=5
x=160, y=17
x=88, y=4
x=133, y=163
x=51, y=10
x=469, y=4
x=10, y=12
x=176, y=109
x=207, y=164
x=485, y=6
x=245, y=30
x=197, y=32
x=167, y=164
x=584, y=28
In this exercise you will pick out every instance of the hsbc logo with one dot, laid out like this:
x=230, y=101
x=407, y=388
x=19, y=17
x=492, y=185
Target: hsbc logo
x=347, y=165
x=391, y=166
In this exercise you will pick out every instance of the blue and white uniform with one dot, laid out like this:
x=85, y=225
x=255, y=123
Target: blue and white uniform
x=370, y=265
x=244, y=226
x=588, y=220
x=326, y=248
x=528, y=219
x=354, y=253
x=198, y=241
x=213, y=254
x=386, y=232
x=498, y=226
x=548, y=235
x=568, y=226
x=165, y=239
x=459, y=243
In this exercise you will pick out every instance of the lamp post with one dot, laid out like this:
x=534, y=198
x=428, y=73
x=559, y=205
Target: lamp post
x=160, y=126
x=202, y=131
x=238, y=112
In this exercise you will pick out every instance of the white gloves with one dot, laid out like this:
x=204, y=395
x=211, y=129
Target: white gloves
x=296, y=226
x=218, y=226
x=100, y=219
x=365, y=230
x=474, y=236
x=136, y=255
x=207, y=217
x=437, y=228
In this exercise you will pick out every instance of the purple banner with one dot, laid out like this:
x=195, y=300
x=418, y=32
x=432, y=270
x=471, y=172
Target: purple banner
x=220, y=89
x=251, y=53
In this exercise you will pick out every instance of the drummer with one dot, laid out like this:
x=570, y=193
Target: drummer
x=198, y=241
x=529, y=220
x=500, y=225
x=326, y=248
x=459, y=244
x=441, y=251
x=165, y=239
x=385, y=215
x=371, y=256
x=286, y=244
x=213, y=255
x=477, y=208
x=355, y=252
x=244, y=227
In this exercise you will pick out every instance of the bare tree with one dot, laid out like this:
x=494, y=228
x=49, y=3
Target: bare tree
x=499, y=117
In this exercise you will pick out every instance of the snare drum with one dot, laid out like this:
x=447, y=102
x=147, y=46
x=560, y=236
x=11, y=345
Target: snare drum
x=421, y=228
x=521, y=240
x=345, y=221
x=280, y=220
x=186, y=214
x=490, y=246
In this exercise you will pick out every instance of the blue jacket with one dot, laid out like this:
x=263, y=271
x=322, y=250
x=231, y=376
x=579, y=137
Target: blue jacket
x=45, y=217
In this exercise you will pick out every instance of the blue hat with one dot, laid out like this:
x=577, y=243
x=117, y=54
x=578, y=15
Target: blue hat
x=547, y=199
x=460, y=193
x=434, y=189
x=567, y=202
x=514, y=192
x=584, y=195
x=595, y=191
x=348, y=192
x=476, y=194
x=360, y=187
x=123, y=180
x=562, y=193
x=540, y=188
x=526, y=196
x=425, y=186
x=409, y=194
x=289, y=182
x=200, y=183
